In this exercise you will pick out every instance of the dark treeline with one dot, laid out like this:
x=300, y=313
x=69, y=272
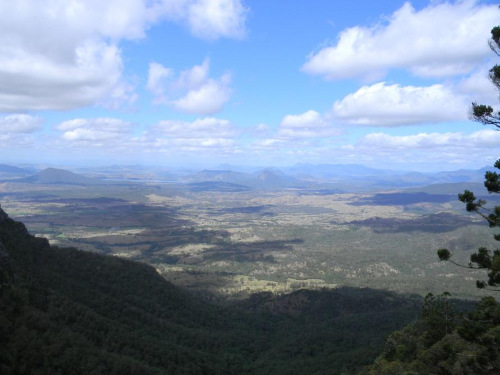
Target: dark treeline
x=444, y=342
x=65, y=311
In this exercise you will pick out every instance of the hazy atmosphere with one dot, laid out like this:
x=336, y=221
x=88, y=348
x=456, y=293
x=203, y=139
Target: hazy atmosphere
x=246, y=82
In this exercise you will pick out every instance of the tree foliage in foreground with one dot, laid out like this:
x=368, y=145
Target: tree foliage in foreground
x=485, y=258
x=485, y=113
x=442, y=342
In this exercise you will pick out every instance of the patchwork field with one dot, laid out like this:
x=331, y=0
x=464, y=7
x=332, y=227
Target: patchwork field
x=239, y=242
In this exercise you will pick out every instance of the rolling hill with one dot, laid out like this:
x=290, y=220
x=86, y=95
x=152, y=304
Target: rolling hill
x=55, y=176
x=11, y=171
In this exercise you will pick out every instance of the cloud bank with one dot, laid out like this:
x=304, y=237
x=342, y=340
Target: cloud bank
x=60, y=55
x=443, y=39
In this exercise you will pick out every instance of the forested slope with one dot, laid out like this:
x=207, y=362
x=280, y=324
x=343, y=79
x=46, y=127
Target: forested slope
x=444, y=342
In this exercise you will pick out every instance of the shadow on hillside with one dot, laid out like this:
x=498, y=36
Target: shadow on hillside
x=403, y=199
x=435, y=223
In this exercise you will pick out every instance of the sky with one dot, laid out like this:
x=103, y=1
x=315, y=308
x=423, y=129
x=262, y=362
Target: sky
x=172, y=83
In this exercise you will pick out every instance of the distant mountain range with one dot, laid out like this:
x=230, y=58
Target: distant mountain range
x=334, y=177
x=54, y=176
x=10, y=171
x=266, y=178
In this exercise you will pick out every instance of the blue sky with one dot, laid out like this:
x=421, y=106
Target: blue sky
x=204, y=82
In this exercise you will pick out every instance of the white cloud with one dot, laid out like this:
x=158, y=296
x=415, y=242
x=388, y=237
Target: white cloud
x=157, y=76
x=58, y=54
x=427, y=151
x=62, y=55
x=478, y=140
x=200, y=128
x=207, y=99
x=20, y=124
x=268, y=142
x=309, y=124
x=395, y=105
x=98, y=132
x=196, y=92
x=115, y=137
x=194, y=78
x=205, y=19
x=259, y=130
x=211, y=19
x=296, y=135
x=478, y=87
x=202, y=134
x=442, y=39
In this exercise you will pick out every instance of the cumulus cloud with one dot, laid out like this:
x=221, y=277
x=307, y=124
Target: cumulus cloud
x=98, y=131
x=200, y=128
x=429, y=149
x=157, y=76
x=260, y=130
x=478, y=87
x=195, y=91
x=206, y=19
x=309, y=124
x=115, y=137
x=20, y=124
x=482, y=138
x=295, y=134
x=17, y=132
x=408, y=39
x=395, y=105
x=57, y=54
x=62, y=55
x=205, y=133
x=211, y=19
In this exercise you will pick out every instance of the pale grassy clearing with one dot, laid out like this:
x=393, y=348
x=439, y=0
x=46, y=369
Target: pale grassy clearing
x=247, y=285
x=236, y=285
x=22, y=209
x=175, y=201
x=127, y=254
x=191, y=249
x=243, y=234
x=88, y=233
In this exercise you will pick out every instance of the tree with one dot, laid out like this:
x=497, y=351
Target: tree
x=485, y=258
x=484, y=113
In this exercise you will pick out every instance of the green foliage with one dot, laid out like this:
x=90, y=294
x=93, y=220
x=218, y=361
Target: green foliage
x=495, y=39
x=469, y=345
x=485, y=258
x=442, y=342
x=444, y=254
x=438, y=318
x=484, y=113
